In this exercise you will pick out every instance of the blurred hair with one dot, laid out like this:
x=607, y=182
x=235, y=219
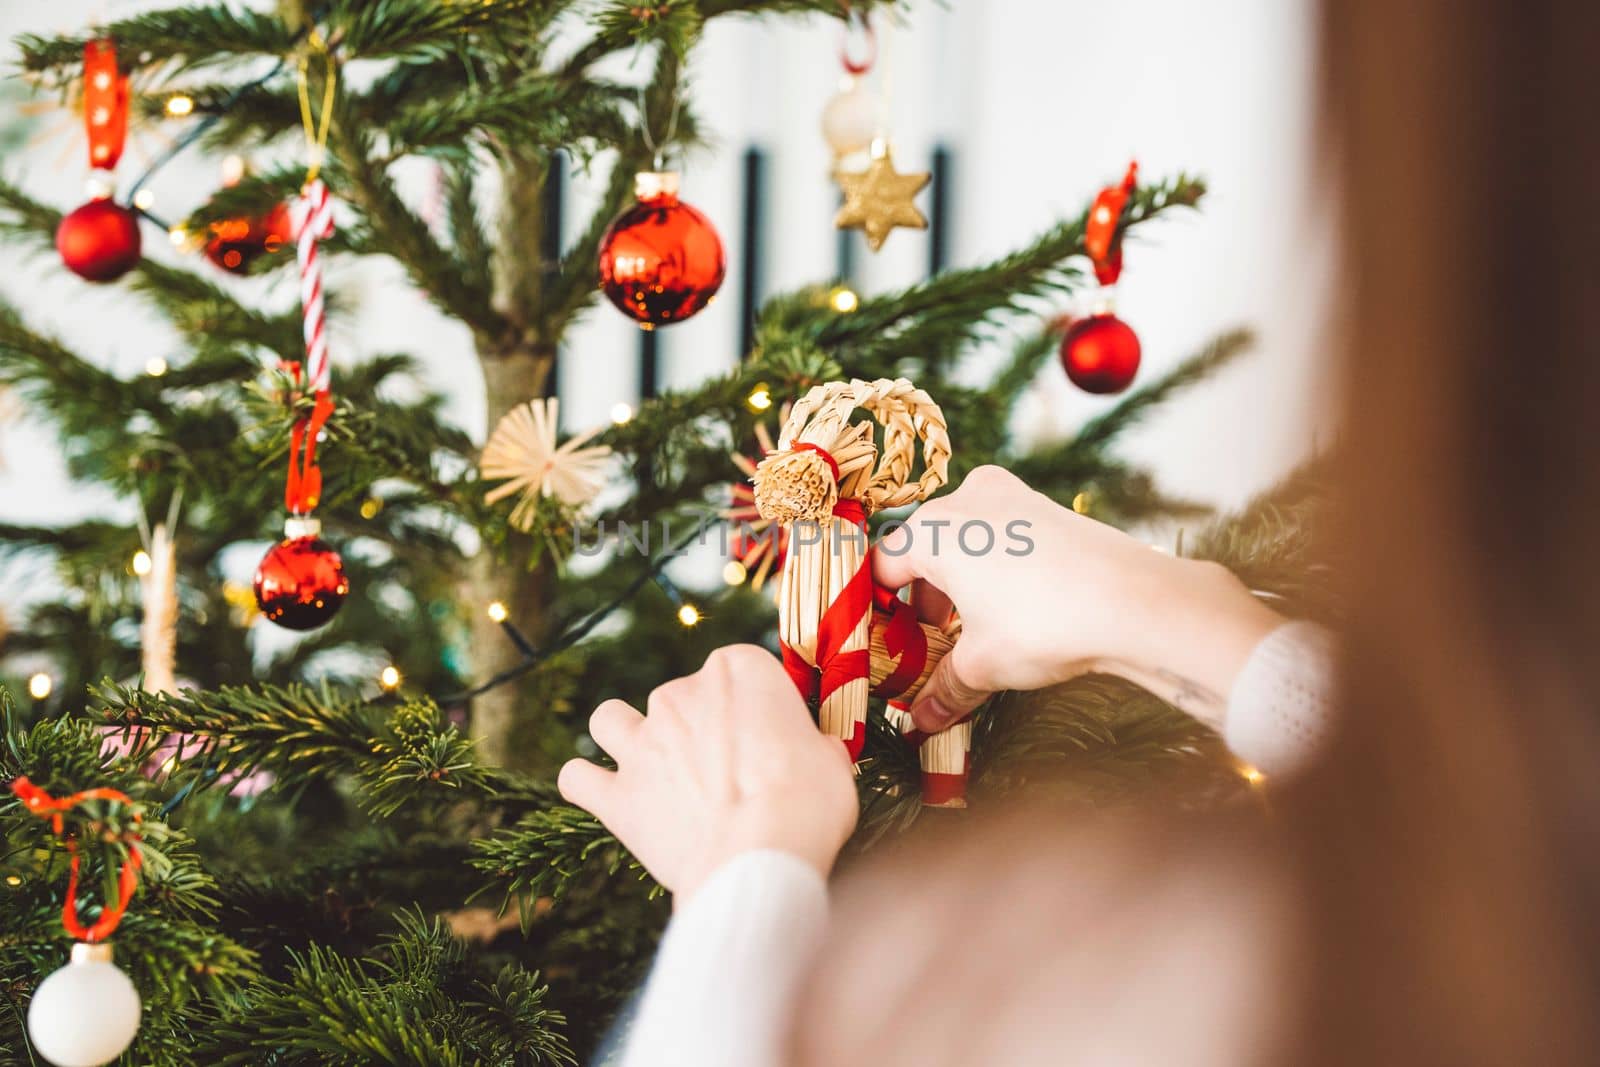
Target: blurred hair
x=1430, y=893
x=1451, y=844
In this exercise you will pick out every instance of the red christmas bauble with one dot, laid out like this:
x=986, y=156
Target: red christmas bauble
x=661, y=260
x=234, y=244
x=300, y=583
x=1100, y=353
x=99, y=241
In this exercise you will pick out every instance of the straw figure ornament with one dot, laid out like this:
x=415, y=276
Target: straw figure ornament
x=842, y=638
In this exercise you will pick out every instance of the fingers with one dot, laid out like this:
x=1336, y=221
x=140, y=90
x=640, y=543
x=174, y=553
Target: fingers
x=900, y=556
x=933, y=605
x=950, y=692
x=590, y=787
x=613, y=726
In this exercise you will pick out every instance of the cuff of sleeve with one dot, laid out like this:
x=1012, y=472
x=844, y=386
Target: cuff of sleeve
x=730, y=965
x=1280, y=711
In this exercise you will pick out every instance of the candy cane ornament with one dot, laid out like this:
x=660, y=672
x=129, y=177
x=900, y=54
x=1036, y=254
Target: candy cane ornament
x=312, y=218
x=301, y=584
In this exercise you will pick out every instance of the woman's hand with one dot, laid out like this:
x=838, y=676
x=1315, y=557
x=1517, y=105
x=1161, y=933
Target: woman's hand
x=726, y=761
x=1057, y=594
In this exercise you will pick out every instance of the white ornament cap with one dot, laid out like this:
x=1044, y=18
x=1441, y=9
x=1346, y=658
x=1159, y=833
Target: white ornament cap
x=1102, y=301
x=654, y=184
x=298, y=526
x=91, y=952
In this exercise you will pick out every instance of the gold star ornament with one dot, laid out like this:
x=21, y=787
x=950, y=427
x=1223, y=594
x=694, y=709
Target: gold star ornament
x=878, y=199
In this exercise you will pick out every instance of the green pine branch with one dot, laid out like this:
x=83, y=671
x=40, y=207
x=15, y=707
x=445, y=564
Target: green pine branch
x=419, y=1001
x=396, y=755
x=1072, y=464
x=406, y=29
x=395, y=230
x=167, y=940
x=953, y=308
x=184, y=37
x=544, y=852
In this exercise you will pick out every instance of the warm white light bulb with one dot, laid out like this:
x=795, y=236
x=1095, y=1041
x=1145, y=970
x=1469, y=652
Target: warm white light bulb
x=155, y=366
x=844, y=300
x=734, y=572
x=688, y=615
x=498, y=612
x=621, y=413
x=141, y=563
x=389, y=677
x=85, y=1014
x=39, y=686
x=760, y=398
x=180, y=105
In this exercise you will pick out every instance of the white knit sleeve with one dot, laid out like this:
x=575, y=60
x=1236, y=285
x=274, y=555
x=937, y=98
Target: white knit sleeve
x=730, y=966
x=1281, y=709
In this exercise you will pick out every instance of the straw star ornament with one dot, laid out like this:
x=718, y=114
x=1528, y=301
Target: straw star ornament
x=759, y=544
x=523, y=450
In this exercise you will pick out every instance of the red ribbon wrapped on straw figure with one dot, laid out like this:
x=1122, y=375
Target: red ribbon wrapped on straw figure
x=842, y=638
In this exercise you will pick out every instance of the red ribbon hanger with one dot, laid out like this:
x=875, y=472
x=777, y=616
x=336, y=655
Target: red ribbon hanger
x=303, y=486
x=105, y=104
x=45, y=806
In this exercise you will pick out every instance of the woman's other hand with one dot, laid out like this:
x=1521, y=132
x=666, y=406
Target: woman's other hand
x=727, y=760
x=1046, y=594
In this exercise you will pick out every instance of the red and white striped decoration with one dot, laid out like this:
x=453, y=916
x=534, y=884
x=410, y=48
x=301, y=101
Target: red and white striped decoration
x=312, y=216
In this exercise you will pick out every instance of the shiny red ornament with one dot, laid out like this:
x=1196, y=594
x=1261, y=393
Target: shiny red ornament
x=234, y=244
x=1100, y=353
x=99, y=241
x=661, y=260
x=300, y=583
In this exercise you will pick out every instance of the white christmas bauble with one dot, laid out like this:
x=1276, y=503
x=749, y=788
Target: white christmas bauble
x=86, y=1013
x=850, y=119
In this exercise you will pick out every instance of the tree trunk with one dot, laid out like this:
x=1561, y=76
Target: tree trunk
x=507, y=722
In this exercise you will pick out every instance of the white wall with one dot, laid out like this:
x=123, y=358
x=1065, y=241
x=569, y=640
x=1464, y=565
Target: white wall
x=1043, y=101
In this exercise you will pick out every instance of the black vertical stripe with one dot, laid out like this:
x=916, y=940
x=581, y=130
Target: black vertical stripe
x=750, y=247
x=649, y=363
x=845, y=254
x=939, y=212
x=555, y=196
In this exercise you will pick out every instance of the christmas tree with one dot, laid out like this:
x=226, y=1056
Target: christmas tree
x=332, y=871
